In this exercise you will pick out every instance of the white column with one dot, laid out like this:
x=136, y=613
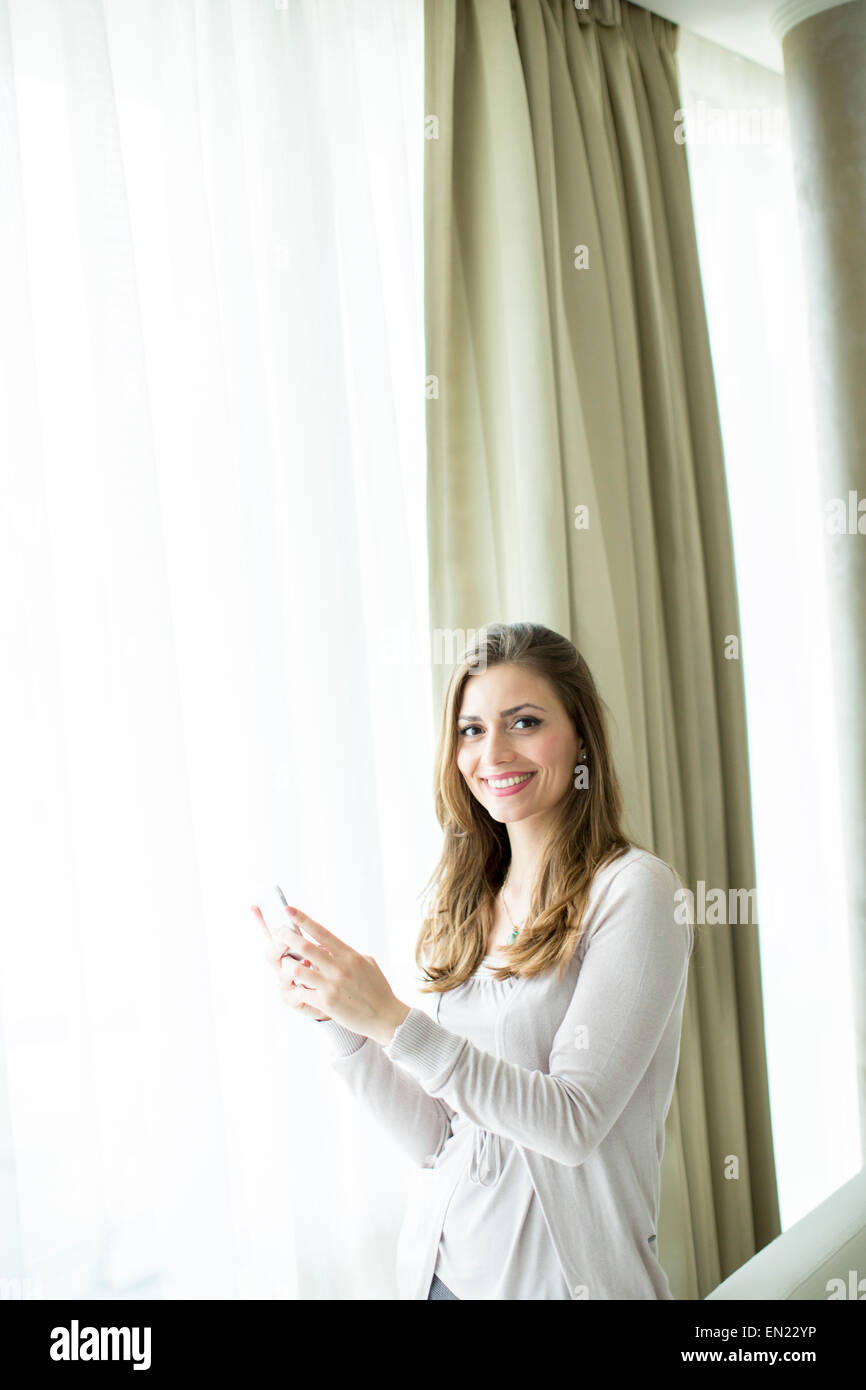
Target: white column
x=824, y=50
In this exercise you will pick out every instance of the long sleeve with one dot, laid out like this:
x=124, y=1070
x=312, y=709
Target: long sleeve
x=634, y=966
x=416, y=1122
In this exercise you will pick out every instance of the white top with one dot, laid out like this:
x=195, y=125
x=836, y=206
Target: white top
x=494, y=1228
x=575, y=1089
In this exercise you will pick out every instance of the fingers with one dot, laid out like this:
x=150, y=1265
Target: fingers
x=320, y=935
x=282, y=961
x=290, y=971
x=280, y=957
x=257, y=913
x=275, y=948
x=291, y=994
x=274, y=953
x=276, y=945
x=292, y=990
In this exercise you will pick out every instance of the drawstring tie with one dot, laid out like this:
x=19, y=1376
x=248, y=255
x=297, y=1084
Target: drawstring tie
x=486, y=1164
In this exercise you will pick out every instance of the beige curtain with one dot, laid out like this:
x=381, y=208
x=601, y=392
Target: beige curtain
x=569, y=368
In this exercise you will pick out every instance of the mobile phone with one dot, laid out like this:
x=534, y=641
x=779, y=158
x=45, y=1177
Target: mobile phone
x=286, y=906
x=286, y=952
x=266, y=926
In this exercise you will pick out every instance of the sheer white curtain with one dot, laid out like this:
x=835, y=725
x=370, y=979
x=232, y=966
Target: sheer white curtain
x=741, y=173
x=212, y=543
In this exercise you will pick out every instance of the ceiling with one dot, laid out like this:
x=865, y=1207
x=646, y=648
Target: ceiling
x=745, y=26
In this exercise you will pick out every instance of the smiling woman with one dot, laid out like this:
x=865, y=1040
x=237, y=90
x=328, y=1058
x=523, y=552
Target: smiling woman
x=529, y=801
x=533, y=1105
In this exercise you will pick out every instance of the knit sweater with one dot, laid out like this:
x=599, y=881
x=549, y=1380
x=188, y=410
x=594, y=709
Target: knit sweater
x=493, y=1229
x=579, y=1085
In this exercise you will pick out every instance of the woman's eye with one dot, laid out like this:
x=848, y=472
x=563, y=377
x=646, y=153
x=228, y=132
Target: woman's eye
x=522, y=719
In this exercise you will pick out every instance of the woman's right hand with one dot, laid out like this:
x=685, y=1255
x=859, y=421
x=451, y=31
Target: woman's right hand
x=277, y=956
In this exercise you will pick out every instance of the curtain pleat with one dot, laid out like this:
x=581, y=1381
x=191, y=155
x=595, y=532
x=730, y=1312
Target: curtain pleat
x=566, y=329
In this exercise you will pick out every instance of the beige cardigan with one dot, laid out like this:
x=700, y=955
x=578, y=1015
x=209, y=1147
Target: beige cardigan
x=581, y=1084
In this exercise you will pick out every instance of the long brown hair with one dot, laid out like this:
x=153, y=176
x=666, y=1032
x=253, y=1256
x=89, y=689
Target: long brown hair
x=585, y=832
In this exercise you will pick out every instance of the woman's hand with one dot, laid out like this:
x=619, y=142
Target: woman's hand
x=351, y=987
x=276, y=953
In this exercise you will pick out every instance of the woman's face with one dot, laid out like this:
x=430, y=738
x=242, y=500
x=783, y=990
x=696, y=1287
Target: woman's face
x=511, y=724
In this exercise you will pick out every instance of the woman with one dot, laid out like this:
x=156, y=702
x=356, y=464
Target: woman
x=533, y=1103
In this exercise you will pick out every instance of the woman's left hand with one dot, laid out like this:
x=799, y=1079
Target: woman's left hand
x=347, y=986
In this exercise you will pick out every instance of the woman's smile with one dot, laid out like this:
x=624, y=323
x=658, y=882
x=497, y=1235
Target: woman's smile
x=508, y=784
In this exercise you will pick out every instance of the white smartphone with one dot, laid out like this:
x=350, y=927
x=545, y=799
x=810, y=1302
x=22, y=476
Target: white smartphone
x=282, y=897
x=264, y=908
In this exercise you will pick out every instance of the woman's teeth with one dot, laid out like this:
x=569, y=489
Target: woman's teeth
x=500, y=782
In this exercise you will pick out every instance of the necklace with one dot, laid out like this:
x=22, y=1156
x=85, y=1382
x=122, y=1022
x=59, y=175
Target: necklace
x=513, y=936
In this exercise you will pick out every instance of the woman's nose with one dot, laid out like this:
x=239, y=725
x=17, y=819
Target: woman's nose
x=498, y=748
